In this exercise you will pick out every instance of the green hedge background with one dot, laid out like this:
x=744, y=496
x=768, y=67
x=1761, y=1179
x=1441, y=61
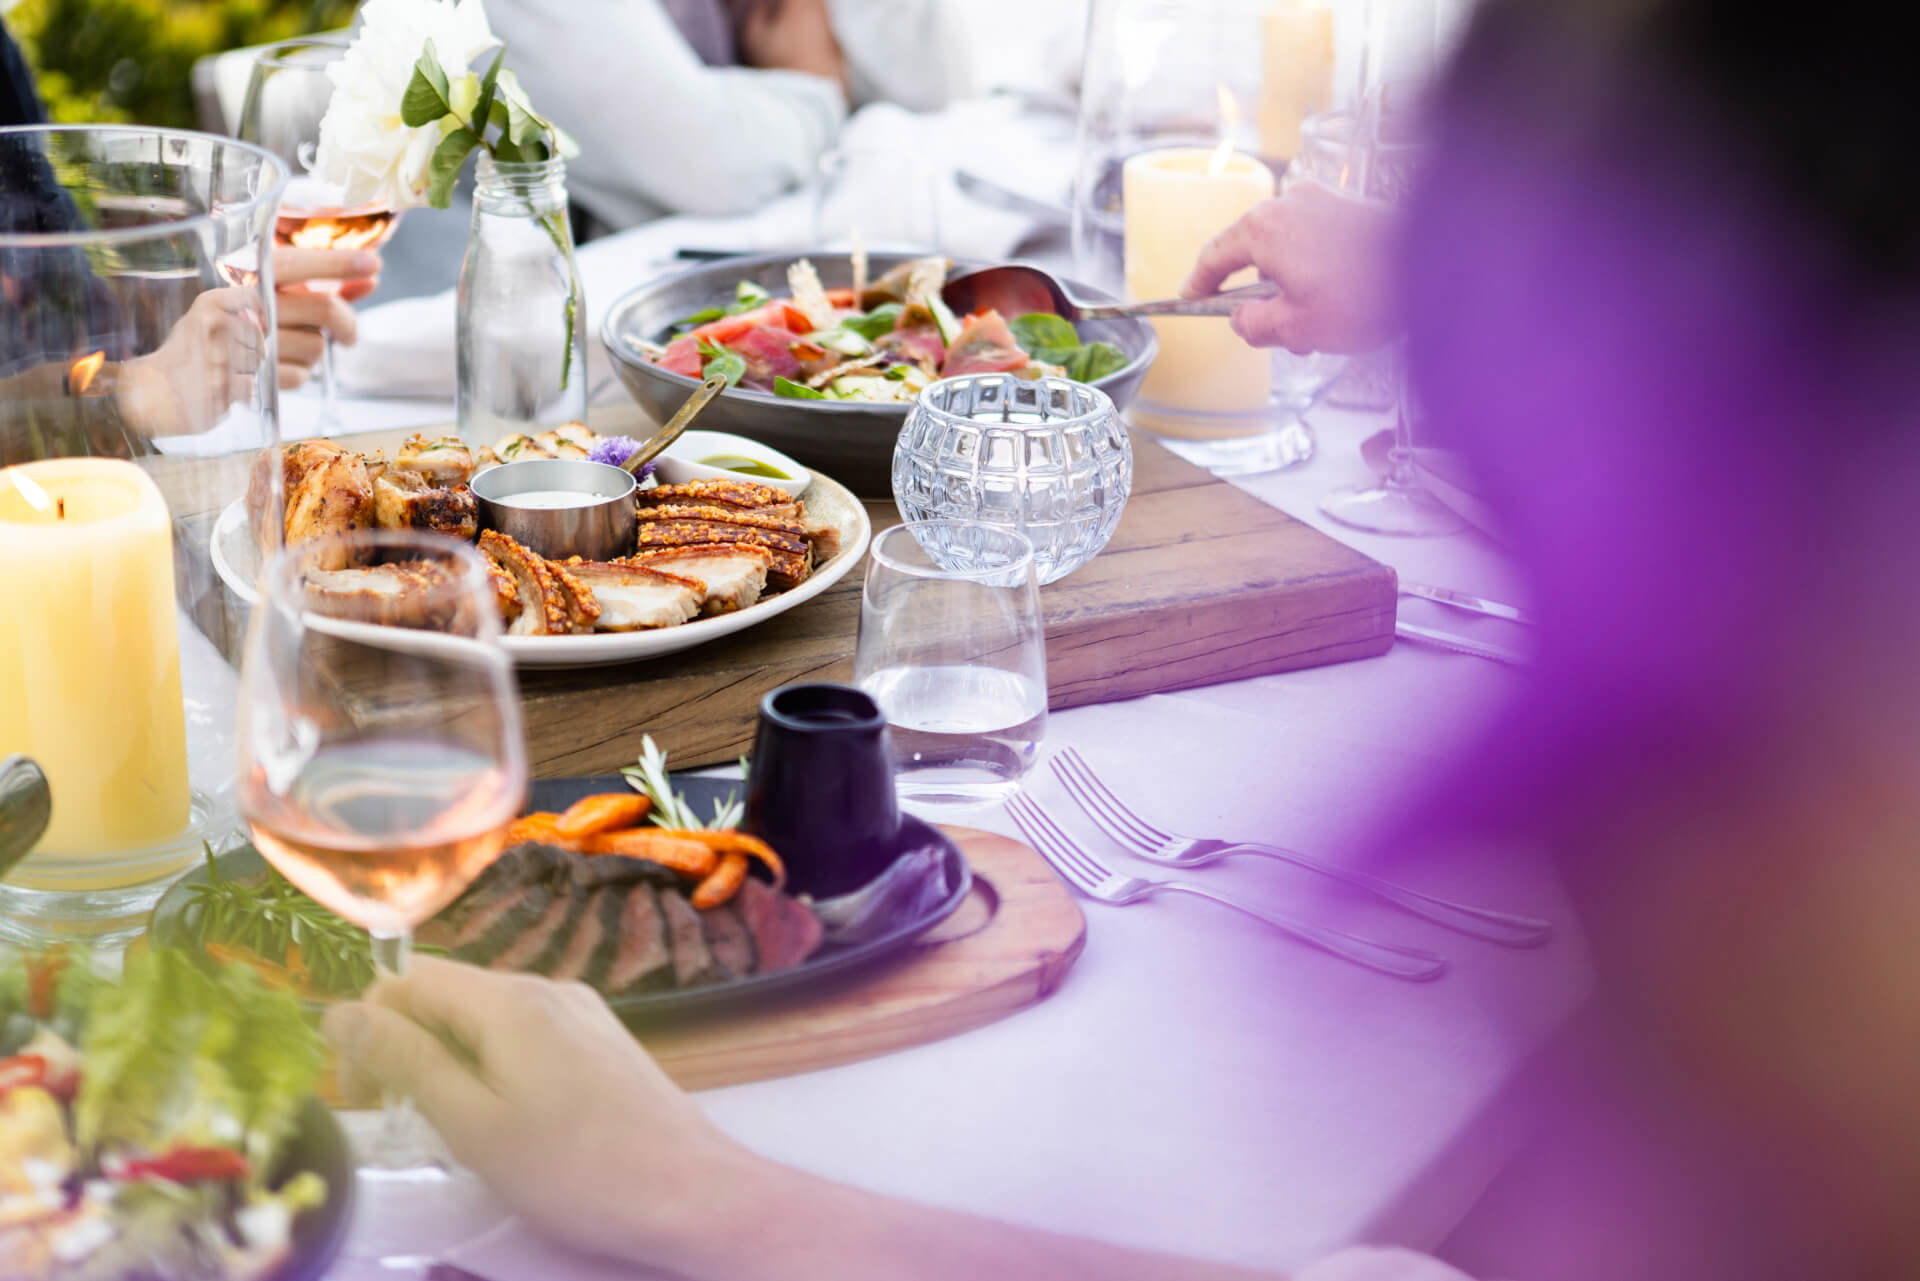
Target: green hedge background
x=132, y=60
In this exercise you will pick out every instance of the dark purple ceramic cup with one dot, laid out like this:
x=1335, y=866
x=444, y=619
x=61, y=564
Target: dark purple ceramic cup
x=820, y=787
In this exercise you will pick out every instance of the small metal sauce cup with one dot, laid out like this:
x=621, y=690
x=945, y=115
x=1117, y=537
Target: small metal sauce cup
x=602, y=527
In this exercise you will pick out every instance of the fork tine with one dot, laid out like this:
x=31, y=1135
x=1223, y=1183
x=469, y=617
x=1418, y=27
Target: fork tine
x=1145, y=832
x=1072, y=776
x=1056, y=845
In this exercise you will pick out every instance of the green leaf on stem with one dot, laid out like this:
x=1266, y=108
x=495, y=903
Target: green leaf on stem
x=796, y=391
x=483, y=106
x=721, y=360
x=428, y=96
x=444, y=169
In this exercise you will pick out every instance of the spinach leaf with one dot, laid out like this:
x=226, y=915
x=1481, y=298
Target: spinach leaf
x=721, y=360
x=795, y=391
x=1042, y=330
x=1095, y=361
x=880, y=320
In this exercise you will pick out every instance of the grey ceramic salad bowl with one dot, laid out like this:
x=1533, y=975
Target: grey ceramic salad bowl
x=850, y=441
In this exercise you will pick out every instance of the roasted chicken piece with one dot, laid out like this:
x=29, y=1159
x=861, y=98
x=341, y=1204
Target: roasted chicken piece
x=331, y=495
x=516, y=448
x=733, y=574
x=399, y=594
x=569, y=441
x=444, y=460
x=405, y=499
x=635, y=597
x=548, y=606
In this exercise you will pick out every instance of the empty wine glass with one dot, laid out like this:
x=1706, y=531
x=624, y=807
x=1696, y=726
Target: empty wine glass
x=287, y=96
x=951, y=648
x=379, y=769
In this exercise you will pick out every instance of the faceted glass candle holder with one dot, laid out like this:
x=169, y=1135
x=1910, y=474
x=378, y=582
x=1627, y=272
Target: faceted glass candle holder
x=1049, y=457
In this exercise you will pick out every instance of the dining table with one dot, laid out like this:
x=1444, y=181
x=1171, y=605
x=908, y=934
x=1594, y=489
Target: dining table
x=1197, y=1084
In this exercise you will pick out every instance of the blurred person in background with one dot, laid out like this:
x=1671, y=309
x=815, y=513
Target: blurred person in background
x=714, y=107
x=30, y=202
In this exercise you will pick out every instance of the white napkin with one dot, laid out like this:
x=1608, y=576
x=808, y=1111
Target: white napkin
x=896, y=185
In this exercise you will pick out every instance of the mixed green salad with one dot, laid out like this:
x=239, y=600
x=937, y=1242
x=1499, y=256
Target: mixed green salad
x=141, y=1121
x=880, y=342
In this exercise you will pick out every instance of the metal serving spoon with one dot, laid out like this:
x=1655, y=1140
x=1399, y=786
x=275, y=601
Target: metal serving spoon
x=1016, y=289
x=26, y=805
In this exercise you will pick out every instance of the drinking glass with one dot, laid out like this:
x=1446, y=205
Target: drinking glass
x=379, y=768
x=951, y=648
x=287, y=96
x=1049, y=457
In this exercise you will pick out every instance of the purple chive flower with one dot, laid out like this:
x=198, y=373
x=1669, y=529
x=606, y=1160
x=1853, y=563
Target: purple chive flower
x=615, y=450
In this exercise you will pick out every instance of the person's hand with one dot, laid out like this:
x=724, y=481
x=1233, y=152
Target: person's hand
x=1328, y=254
x=205, y=366
x=540, y=1090
x=308, y=315
x=789, y=35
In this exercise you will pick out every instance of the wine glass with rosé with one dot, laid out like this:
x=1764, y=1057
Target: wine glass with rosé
x=287, y=96
x=379, y=768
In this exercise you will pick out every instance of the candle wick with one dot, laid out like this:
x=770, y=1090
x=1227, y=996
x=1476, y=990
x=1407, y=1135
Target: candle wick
x=60, y=509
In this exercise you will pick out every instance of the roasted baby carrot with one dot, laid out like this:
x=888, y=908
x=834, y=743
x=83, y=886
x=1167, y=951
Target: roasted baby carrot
x=729, y=840
x=537, y=826
x=689, y=858
x=606, y=812
x=722, y=883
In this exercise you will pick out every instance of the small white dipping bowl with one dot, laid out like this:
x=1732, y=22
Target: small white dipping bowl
x=681, y=462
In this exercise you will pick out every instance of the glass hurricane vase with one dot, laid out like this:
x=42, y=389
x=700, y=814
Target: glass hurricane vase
x=137, y=385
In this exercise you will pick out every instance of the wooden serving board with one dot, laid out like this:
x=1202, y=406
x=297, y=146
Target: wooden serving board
x=1202, y=583
x=1006, y=947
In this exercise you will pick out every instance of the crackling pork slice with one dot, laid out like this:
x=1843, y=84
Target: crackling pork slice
x=444, y=460
x=406, y=499
x=583, y=611
x=734, y=574
x=398, y=594
x=545, y=604
x=634, y=598
x=333, y=496
x=792, y=557
x=717, y=491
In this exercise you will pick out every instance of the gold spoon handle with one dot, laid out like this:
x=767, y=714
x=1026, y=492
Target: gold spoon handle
x=1221, y=304
x=688, y=411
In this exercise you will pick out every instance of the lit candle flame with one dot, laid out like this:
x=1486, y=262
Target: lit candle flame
x=83, y=371
x=1229, y=117
x=37, y=498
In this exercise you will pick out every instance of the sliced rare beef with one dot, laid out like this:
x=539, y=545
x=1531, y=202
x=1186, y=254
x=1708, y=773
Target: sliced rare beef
x=785, y=931
x=486, y=934
x=577, y=953
x=488, y=895
x=692, y=958
x=613, y=905
x=536, y=946
x=642, y=961
x=729, y=941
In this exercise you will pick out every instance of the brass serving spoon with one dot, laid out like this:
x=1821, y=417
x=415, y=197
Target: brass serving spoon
x=26, y=805
x=671, y=429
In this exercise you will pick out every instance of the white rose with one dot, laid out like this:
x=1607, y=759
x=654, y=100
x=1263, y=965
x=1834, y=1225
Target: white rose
x=365, y=148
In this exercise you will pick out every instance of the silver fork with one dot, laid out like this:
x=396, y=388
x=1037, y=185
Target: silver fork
x=1156, y=846
x=1092, y=878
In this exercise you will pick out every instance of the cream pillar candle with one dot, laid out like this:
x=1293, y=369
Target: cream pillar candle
x=90, y=654
x=1296, y=72
x=1177, y=199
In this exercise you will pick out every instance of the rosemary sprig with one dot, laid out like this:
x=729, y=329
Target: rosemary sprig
x=670, y=809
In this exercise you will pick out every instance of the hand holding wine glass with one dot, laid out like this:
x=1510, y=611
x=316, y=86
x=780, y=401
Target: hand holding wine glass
x=379, y=770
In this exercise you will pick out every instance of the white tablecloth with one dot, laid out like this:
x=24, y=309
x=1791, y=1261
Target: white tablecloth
x=1198, y=1084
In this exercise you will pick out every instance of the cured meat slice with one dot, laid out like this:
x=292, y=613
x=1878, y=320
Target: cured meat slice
x=682, y=356
x=768, y=352
x=734, y=573
x=985, y=345
x=785, y=931
x=692, y=958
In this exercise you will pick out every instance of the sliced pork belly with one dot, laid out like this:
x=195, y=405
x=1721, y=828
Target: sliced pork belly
x=734, y=574
x=544, y=603
x=402, y=594
x=726, y=492
x=792, y=557
x=634, y=597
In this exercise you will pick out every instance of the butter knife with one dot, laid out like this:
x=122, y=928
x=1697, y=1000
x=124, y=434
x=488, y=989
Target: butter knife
x=1459, y=644
x=1462, y=600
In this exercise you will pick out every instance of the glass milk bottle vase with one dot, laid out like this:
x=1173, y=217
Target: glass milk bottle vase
x=521, y=327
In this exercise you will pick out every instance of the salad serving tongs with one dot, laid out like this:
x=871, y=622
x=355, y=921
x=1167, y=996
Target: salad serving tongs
x=1016, y=289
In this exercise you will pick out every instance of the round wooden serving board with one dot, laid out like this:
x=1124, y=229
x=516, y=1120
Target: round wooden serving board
x=1005, y=948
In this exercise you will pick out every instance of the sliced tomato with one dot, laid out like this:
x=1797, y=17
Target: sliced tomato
x=779, y=314
x=22, y=1070
x=844, y=299
x=187, y=1165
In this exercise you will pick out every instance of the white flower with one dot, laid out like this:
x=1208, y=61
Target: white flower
x=365, y=148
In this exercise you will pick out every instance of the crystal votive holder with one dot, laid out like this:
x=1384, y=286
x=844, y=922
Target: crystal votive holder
x=1047, y=456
